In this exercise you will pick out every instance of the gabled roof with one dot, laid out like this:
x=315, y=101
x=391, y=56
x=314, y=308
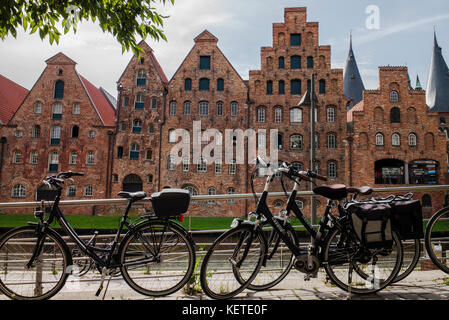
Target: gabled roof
x=11, y=97
x=102, y=105
x=206, y=36
x=352, y=81
x=60, y=58
x=111, y=99
x=437, y=94
x=350, y=113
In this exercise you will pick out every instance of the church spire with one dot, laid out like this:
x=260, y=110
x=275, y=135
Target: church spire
x=437, y=94
x=418, y=83
x=353, y=83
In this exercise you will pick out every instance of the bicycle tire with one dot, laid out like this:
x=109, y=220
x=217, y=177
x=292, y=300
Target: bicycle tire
x=277, y=266
x=408, y=265
x=222, y=267
x=432, y=233
x=51, y=269
x=173, y=252
x=346, y=252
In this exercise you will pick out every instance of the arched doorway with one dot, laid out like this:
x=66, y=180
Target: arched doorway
x=389, y=171
x=132, y=183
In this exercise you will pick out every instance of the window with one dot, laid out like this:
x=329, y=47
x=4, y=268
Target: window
x=188, y=84
x=300, y=204
x=75, y=131
x=212, y=192
x=88, y=191
x=412, y=140
x=220, y=84
x=34, y=157
x=395, y=140
x=187, y=108
x=119, y=152
x=150, y=179
x=73, y=157
x=426, y=201
x=232, y=167
x=317, y=141
x=395, y=115
x=76, y=109
x=17, y=156
x=18, y=133
x=281, y=63
x=204, y=62
x=379, y=139
x=309, y=62
x=219, y=108
x=91, y=134
x=231, y=191
x=204, y=108
x=185, y=164
x=55, y=136
x=134, y=151
x=281, y=87
x=295, y=39
x=171, y=162
x=125, y=101
x=37, y=107
x=59, y=89
x=150, y=128
x=234, y=109
x=90, y=157
x=36, y=133
x=269, y=87
x=394, y=96
x=331, y=141
x=153, y=104
x=280, y=141
x=331, y=114
x=296, y=142
x=193, y=192
x=140, y=101
x=172, y=108
x=204, y=84
x=71, y=191
x=322, y=86
x=141, y=78
x=332, y=169
x=295, y=115
x=261, y=114
x=56, y=111
x=217, y=166
x=278, y=115
x=142, y=60
x=295, y=62
x=122, y=126
x=53, y=161
x=18, y=191
x=149, y=154
x=201, y=165
x=295, y=86
x=172, y=136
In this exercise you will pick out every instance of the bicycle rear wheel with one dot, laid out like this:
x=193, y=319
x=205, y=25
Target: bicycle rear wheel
x=50, y=270
x=157, y=258
x=412, y=254
x=232, y=262
x=437, y=239
x=360, y=273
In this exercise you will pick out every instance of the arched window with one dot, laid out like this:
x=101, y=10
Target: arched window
x=281, y=63
x=322, y=86
x=395, y=115
x=56, y=109
x=277, y=204
x=281, y=87
x=295, y=115
x=295, y=86
x=396, y=140
x=18, y=191
x=55, y=136
x=269, y=87
x=219, y=108
x=331, y=141
x=234, y=108
x=172, y=108
x=295, y=62
x=212, y=192
x=53, y=161
x=331, y=114
x=379, y=139
x=36, y=133
x=134, y=151
x=34, y=157
x=204, y=108
x=188, y=84
x=90, y=157
x=141, y=77
x=137, y=126
x=187, y=108
x=261, y=116
x=394, y=96
x=332, y=169
x=59, y=89
x=201, y=165
x=132, y=183
x=426, y=201
x=296, y=142
x=412, y=140
x=204, y=84
x=278, y=115
x=220, y=84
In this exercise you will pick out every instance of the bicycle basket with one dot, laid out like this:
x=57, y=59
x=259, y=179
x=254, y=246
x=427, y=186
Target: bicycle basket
x=407, y=219
x=372, y=224
x=170, y=202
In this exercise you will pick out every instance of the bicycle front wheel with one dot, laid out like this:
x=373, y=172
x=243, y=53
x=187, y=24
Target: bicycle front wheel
x=357, y=272
x=157, y=258
x=437, y=239
x=412, y=254
x=45, y=278
x=232, y=262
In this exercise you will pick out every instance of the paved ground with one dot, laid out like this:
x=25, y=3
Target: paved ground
x=420, y=285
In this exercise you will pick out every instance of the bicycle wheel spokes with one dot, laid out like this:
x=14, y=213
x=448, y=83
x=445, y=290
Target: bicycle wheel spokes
x=232, y=263
x=157, y=260
x=361, y=273
x=437, y=239
x=412, y=254
x=41, y=281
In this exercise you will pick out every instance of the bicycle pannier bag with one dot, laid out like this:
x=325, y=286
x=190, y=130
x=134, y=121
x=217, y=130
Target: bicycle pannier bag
x=372, y=224
x=170, y=202
x=407, y=220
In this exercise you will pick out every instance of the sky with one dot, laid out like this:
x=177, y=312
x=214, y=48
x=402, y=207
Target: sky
x=403, y=35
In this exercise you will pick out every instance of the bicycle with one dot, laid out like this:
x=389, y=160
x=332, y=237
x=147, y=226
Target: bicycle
x=437, y=239
x=156, y=256
x=236, y=257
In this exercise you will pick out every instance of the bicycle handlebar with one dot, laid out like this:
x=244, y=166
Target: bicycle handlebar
x=60, y=177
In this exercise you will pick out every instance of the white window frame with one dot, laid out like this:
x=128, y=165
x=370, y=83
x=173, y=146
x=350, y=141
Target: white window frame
x=73, y=157
x=201, y=165
x=296, y=115
x=332, y=170
x=330, y=114
x=331, y=141
x=37, y=107
x=34, y=157
x=203, y=108
x=395, y=140
x=76, y=108
x=88, y=191
x=261, y=115
x=232, y=167
x=278, y=115
x=380, y=140
x=234, y=109
x=412, y=140
x=18, y=191
x=90, y=157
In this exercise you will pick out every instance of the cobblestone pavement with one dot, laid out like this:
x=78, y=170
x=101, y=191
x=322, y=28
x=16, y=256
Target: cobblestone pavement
x=419, y=285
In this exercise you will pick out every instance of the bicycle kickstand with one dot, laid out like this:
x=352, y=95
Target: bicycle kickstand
x=103, y=276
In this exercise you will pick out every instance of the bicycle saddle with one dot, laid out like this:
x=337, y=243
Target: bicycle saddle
x=364, y=191
x=132, y=196
x=333, y=192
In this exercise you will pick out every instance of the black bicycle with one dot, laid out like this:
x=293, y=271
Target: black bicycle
x=156, y=256
x=437, y=239
x=236, y=257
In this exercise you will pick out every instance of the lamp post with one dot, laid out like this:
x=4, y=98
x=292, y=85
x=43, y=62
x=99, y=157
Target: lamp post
x=309, y=99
